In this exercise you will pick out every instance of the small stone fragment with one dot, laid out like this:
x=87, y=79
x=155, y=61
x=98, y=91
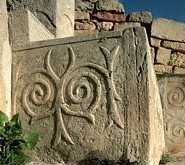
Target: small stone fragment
x=142, y=17
x=155, y=42
x=107, y=26
x=163, y=56
x=109, y=17
x=178, y=46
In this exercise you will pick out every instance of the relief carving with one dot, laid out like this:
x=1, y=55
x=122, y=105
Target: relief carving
x=173, y=99
x=80, y=85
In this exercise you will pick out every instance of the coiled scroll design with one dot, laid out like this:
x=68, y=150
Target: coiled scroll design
x=79, y=85
x=39, y=92
x=176, y=97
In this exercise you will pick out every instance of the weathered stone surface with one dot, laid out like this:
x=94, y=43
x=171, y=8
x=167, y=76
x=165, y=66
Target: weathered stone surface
x=5, y=61
x=109, y=17
x=107, y=26
x=85, y=32
x=162, y=69
x=109, y=5
x=44, y=10
x=172, y=91
x=152, y=50
x=168, y=29
x=88, y=5
x=155, y=42
x=178, y=70
x=85, y=26
x=142, y=17
x=163, y=56
x=125, y=25
x=96, y=97
x=177, y=59
x=24, y=27
x=178, y=46
x=81, y=15
x=65, y=17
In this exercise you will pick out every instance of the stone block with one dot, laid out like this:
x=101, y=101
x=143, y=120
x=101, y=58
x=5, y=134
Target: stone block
x=125, y=25
x=172, y=90
x=85, y=26
x=96, y=97
x=65, y=17
x=163, y=56
x=178, y=70
x=152, y=50
x=177, y=59
x=81, y=16
x=107, y=26
x=163, y=69
x=109, y=5
x=177, y=46
x=142, y=17
x=109, y=17
x=155, y=42
x=25, y=27
x=168, y=29
x=5, y=61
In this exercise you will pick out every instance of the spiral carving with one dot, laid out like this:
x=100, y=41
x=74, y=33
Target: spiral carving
x=178, y=131
x=81, y=87
x=38, y=92
x=176, y=97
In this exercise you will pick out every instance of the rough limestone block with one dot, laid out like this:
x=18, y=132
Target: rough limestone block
x=96, y=97
x=5, y=61
x=162, y=69
x=168, y=29
x=125, y=25
x=177, y=59
x=25, y=27
x=65, y=16
x=155, y=42
x=172, y=89
x=177, y=46
x=163, y=56
x=142, y=17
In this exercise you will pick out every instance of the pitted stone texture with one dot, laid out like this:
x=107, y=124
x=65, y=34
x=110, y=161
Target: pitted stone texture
x=142, y=17
x=44, y=10
x=5, y=61
x=172, y=90
x=96, y=97
x=168, y=29
x=163, y=56
x=109, y=5
x=155, y=42
x=177, y=46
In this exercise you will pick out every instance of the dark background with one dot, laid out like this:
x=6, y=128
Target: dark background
x=172, y=9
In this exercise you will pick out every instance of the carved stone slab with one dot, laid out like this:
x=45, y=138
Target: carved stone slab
x=89, y=98
x=172, y=89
